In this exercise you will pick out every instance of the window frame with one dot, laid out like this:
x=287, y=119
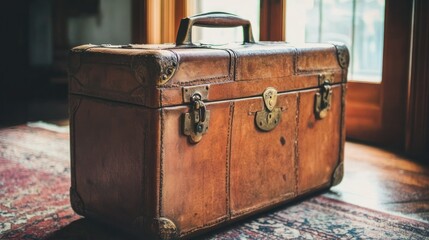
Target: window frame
x=376, y=112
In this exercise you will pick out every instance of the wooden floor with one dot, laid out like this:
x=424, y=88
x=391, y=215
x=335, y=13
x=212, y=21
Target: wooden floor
x=381, y=180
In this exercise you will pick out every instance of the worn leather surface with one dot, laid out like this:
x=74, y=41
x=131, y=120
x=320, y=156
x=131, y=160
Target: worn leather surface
x=132, y=74
x=318, y=142
x=134, y=167
x=262, y=164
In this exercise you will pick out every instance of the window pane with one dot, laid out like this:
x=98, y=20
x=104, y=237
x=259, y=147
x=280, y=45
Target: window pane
x=114, y=17
x=337, y=21
x=248, y=9
x=368, y=40
x=357, y=23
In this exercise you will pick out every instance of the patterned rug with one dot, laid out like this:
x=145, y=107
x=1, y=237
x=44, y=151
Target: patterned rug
x=34, y=203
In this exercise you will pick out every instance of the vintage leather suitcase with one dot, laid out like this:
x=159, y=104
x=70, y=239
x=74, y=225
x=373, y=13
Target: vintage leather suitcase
x=169, y=141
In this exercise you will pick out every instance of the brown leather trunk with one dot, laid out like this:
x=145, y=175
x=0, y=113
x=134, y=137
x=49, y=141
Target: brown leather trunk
x=169, y=141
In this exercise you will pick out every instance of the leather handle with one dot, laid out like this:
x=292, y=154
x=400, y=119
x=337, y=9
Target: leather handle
x=214, y=20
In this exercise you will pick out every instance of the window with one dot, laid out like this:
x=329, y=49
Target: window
x=357, y=23
x=246, y=9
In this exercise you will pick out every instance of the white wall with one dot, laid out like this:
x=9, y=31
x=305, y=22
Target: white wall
x=112, y=25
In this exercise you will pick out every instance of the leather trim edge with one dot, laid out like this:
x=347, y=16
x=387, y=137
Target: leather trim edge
x=343, y=55
x=338, y=174
x=76, y=202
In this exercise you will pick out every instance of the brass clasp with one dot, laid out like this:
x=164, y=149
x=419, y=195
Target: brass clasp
x=196, y=122
x=269, y=117
x=322, y=100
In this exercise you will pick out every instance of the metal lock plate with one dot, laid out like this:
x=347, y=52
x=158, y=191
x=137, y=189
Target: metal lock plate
x=269, y=117
x=189, y=92
x=322, y=100
x=196, y=122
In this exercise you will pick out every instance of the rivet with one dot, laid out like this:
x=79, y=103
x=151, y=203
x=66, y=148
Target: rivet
x=169, y=70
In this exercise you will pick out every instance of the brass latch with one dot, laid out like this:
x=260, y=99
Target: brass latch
x=269, y=117
x=196, y=122
x=322, y=100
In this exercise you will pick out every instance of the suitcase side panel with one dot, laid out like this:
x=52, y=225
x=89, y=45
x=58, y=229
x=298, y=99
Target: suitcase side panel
x=122, y=75
x=194, y=176
x=319, y=141
x=262, y=163
x=114, y=161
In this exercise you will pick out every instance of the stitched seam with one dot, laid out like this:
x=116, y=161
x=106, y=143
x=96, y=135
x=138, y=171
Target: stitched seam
x=161, y=160
x=231, y=63
x=341, y=148
x=275, y=201
x=295, y=61
x=236, y=69
x=234, y=63
x=144, y=173
x=320, y=186
x=343, y=117
x=228, y=160
x=207, y=225
x=201, y=80
x=74, y=109
x=317, y=70
x=296, y=159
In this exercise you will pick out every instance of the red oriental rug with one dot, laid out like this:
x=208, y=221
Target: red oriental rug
x=34, y=203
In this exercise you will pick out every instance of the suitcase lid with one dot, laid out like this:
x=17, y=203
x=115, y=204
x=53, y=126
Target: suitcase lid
x=169, y=74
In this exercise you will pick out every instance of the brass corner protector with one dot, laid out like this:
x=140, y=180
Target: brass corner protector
x=165, y=228
x=343, y=55
x=154, y=66
x=76, y=202
x=168, y=66
x=338, y=174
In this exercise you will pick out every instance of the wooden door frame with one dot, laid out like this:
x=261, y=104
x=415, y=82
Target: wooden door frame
x=376, y=113
x=157, y=21
x=272, y=20
x=417, y=131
